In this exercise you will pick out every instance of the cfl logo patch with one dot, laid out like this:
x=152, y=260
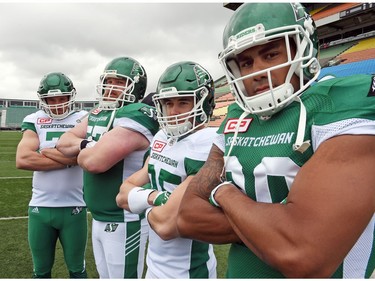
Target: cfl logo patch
x=232, y=124
x=158, y=146
x=96, y=111
x=44, y=121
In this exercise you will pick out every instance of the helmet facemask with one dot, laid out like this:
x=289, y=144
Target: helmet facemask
x=53, y=110
x=115, y=96
x=185, y=123
x=276, y=98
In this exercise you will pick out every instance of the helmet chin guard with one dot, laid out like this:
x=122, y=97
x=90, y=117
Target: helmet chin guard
x=178, y=129
x=270, y=102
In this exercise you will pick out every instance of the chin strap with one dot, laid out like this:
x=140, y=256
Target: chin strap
x=111, y=120
x=300, y=145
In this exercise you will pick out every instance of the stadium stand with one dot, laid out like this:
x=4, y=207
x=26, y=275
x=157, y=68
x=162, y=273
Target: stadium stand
x=328, y=10
x=364, y=50
x=328, y=55
x=223, y=99
x=360, y=67
x=12, y=112
x=13, y=116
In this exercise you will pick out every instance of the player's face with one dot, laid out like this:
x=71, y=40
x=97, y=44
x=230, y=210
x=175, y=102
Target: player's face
x=56, y=103
x=262, y=57
x=178, y=106
x=117, y=88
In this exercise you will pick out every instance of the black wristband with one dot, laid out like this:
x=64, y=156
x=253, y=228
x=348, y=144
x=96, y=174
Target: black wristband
x=83, y=144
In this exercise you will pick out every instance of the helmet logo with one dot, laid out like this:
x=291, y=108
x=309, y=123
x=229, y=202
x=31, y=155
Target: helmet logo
x=137, y=70
x=200, y=75
x=299, y=12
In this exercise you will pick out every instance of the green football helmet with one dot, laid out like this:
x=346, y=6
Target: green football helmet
x=135, y=83
x=187, y=79
x=56, y=84
x=255, y=24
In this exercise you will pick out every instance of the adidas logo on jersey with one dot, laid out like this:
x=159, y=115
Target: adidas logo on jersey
x=111, y=227
x=231, y=125
x=35, y=210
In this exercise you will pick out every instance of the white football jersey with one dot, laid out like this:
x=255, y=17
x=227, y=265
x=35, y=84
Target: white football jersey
x=171, y=162
x=55, y=188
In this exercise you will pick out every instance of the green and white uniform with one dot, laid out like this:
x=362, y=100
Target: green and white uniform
x=56, y=209
x=119, y=236
x=169, y=165
x=263, y=163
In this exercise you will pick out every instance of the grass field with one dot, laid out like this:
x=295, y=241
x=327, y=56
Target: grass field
x=15, y=193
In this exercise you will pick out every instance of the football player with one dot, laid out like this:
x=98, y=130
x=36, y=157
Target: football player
x=184, y=102
x=310, y=147
x=56, y=209
x=110, y=145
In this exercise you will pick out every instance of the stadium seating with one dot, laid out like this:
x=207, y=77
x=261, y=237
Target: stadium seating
x=364, y=50
x=334, y=51
x=15, y=116
x=330, y=10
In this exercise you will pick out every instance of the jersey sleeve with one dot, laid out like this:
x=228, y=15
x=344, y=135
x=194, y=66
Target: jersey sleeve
x=346, y=98
x=219, y=141
x=348, y=107
x=28, y=123
x=138, y=117
x=197, y=150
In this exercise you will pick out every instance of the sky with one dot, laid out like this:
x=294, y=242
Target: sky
x=80, y=38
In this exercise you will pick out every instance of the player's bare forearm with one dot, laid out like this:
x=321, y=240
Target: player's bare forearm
x=29, y=158
x=69, y=142
x=139, y=178
x=34, y=161
x=197, y=218
x=57, y=156
x=209, y=175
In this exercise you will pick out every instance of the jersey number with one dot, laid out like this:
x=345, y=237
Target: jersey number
x=164, y=176
x=269, y=167
x=53, y=136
